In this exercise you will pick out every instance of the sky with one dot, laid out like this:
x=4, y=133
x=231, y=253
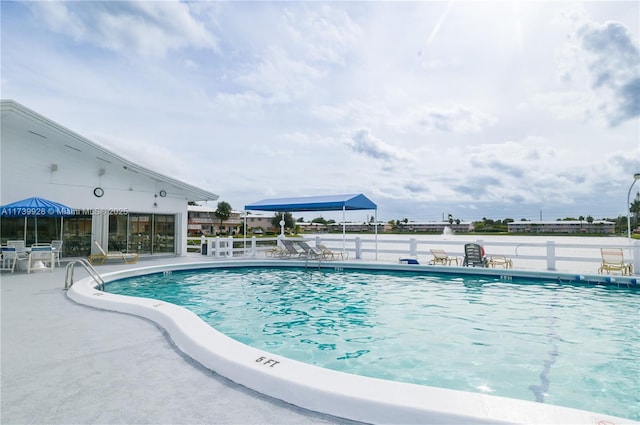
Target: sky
x=510, y=109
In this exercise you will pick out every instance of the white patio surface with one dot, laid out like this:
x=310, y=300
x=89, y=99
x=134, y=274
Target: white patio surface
x=64, y=363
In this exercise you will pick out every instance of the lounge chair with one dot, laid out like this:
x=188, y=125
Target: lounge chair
x=290, y=250
x=332, y=255
x=441, y=257
x=613, y=261
x=474, y=256
x=309, y=251
x=276, y=251
x=102, y=256
x=500, y=261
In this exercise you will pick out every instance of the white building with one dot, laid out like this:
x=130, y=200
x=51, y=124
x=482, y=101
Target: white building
x=562, y=226
x=118, y=203
x=435, y=226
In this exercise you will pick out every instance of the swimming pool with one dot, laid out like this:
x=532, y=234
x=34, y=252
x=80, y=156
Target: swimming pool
x=548, y=340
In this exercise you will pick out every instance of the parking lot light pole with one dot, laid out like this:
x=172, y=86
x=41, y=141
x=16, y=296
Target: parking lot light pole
x=636, y=177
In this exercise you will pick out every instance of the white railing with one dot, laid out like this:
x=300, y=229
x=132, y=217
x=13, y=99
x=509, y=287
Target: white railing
x=548, y=255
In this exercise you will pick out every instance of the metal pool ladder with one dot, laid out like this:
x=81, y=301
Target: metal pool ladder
x=68, y=274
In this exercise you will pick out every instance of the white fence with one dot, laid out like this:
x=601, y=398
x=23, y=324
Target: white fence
x=538, y=254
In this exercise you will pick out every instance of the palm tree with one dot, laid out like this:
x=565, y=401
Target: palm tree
x=223, y=212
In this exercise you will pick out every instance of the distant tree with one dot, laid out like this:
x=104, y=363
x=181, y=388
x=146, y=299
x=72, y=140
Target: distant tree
x=589, y=219
x=223, y=212
x=635, y=208
x=457, y=221
x=319, y=220
x=300, y=220
x=288, y=220
x=450, y=218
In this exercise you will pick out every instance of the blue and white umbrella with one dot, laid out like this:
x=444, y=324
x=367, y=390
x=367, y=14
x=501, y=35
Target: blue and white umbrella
x=35, y=207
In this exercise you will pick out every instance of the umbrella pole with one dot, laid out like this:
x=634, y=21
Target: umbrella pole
x=24, y=235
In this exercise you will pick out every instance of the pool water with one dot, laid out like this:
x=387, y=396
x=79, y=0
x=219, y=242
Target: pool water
x=547, y=341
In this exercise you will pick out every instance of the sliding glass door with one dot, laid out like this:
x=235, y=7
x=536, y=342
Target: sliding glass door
x=143, y=233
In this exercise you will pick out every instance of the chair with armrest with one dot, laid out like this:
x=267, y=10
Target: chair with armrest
x=57, y=249
x=613, y=261
x=41, y=257
x=101, y=257
x=310, y=251
x=18, y=244
x=290, y=250
x=9, y=257
x=441, y=257
x=474, y=256
x=500, y=261
x=328, y=254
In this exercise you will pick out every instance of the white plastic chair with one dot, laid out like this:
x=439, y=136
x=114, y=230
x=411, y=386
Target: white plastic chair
x=57, y=250
x=9, y=258
x=42, y=254
x=18, y=244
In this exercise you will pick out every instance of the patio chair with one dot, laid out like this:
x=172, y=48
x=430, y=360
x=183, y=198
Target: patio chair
x=613, y=261
x=276, y=251
x=474, y=256
x=57, y=249
x=328, y=254
x=18, y=244
x=290, y=250
x=500, y=261
x=9, y=257
x=309, y=251
x=441, y=257
x=102, y=256
x=41, y=257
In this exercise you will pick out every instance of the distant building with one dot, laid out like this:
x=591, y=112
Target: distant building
x=203, y=221
x=562, y=226
x=435, y=226
x=258, y=223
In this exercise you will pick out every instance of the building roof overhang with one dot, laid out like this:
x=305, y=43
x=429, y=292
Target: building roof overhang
x=33, y=124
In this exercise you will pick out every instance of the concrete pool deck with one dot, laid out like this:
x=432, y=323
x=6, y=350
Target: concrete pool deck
x=66, y=363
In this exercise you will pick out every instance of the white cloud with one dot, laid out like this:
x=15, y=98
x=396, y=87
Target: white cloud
x=149, y=29
x=603, y=60
x=613, y=59
x=362, y=141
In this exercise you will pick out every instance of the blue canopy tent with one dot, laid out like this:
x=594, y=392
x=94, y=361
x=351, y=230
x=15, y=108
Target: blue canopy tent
x=342, y=203
x=35, y=207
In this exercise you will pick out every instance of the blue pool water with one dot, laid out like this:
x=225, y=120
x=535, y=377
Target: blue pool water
x=545, y=341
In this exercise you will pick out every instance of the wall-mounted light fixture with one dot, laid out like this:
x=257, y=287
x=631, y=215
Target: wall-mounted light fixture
x=53, y=167
x=101, y=172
